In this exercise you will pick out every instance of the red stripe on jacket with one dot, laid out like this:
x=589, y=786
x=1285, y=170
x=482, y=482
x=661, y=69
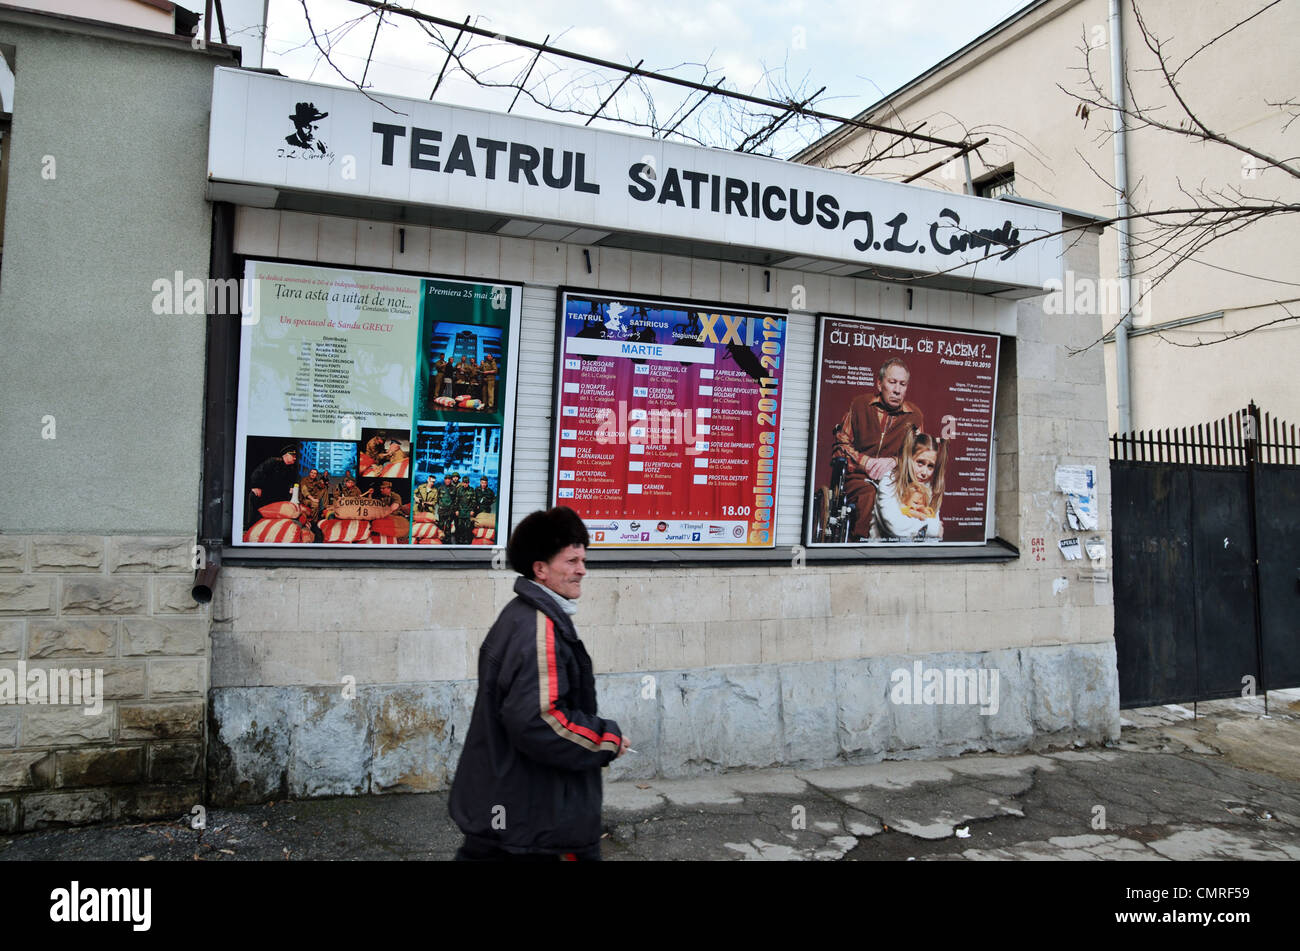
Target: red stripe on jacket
x=553, y=689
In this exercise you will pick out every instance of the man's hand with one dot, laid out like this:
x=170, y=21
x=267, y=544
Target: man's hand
x=879, y=467
x=623, y=747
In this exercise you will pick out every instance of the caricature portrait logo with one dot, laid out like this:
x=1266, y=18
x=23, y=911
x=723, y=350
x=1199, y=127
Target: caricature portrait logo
x=303, y=142
x=614, y=326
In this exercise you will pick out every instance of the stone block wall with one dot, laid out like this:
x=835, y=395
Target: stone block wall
x=314, y=692
x=280, y=742
x=113, y=610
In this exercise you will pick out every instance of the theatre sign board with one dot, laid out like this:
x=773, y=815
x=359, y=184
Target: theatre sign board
x=276, y=133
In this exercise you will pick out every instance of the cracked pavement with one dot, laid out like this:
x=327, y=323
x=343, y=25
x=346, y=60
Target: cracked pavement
x=1225, y=785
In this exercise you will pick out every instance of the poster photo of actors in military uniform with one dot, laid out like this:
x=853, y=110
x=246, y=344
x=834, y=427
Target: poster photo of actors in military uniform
x=385, y=454
x=292, y=481
x=902, y=441
x=464, y=348
x=457, y=497
x=310, y=492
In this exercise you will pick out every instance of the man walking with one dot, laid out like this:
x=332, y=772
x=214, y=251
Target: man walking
x=528, y=785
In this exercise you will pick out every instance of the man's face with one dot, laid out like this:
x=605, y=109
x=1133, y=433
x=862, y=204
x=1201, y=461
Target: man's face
x=563, y=573
x=893, y=386
x=482, y=483
x=312, y=474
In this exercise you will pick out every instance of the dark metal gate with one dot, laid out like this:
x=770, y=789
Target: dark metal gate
x=1206, y=524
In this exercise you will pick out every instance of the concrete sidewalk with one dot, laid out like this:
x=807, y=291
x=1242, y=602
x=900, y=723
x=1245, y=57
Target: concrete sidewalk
x=1224, y=785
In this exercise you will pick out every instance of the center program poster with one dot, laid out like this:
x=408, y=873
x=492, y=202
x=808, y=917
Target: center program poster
x=902, y=434
x=668, y=421
x=374, y=408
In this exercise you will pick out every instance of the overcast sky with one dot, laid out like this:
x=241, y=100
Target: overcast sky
x=858, y=49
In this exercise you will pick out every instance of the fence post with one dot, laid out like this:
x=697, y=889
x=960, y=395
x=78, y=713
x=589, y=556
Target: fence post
x=1249, y=419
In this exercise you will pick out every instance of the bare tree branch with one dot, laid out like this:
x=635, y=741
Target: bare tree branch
x=324, y=52
x=779, y=109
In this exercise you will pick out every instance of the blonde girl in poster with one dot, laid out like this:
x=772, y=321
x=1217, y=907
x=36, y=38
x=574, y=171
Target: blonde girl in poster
x=908, y=497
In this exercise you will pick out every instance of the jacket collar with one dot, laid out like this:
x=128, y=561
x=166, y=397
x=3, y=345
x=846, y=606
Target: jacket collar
x=878, y=402
x=528, y=591
x=568, y=607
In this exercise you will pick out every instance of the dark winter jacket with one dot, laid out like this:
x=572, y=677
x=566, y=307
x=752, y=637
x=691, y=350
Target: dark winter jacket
x=529, y=776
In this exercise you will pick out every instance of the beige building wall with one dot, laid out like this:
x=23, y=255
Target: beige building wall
x=156, y=16
x=1007, y=89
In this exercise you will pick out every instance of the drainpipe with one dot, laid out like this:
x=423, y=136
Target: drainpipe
x=1121, y=211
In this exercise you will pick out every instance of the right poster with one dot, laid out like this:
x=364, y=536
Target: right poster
x=902, y=434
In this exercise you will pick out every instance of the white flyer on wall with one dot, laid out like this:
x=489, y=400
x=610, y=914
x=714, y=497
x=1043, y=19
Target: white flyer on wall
x=1079, y=485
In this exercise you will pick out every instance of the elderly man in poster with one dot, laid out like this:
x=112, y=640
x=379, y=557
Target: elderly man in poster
x=871, y=435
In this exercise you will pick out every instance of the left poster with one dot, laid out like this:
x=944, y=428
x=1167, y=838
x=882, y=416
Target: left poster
x=372, y=408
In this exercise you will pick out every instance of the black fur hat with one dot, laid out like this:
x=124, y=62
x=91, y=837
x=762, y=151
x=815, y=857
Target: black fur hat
x=542, y=535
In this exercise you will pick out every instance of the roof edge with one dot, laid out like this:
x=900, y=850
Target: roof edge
x=1100, y=221
x=14, y=13
x=825, y=142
